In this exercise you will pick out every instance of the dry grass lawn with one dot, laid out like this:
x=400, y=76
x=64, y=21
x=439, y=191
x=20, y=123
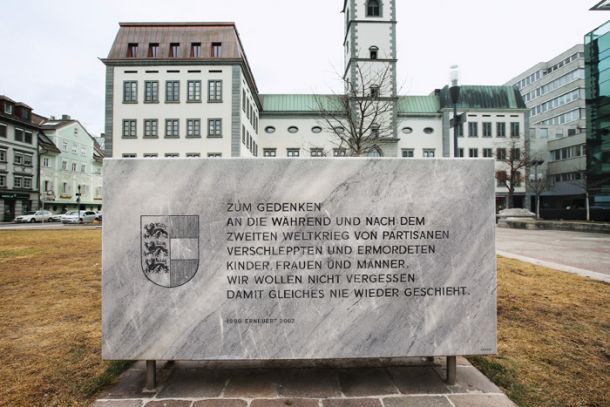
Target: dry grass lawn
x=553, y=338
x=50, y=318
x=553, y=330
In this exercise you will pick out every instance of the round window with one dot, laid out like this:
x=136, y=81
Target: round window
x=428, y=130
x=407, y=130
x=339, y=129
x=270, y=129
x=293, y=129
x=316, y=129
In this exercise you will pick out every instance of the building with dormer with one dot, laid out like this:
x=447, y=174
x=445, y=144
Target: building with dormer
x=187, y=90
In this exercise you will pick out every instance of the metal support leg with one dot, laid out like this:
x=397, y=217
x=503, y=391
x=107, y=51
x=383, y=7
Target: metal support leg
x=151, y=375
x=451, y=369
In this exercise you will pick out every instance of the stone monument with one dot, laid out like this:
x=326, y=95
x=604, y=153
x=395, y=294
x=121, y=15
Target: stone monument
x=232, y=259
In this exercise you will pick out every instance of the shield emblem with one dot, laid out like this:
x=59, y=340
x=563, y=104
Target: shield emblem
x=169, y=248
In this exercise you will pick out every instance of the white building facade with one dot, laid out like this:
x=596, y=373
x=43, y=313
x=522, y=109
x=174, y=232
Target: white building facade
x=73, y=167
x=186, y=90
x=554, y=92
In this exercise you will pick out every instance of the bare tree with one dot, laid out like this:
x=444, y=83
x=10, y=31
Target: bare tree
x=538, y=183
x=514, y=160
x=360, y=119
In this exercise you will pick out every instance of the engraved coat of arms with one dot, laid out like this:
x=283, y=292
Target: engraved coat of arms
x=169, y=248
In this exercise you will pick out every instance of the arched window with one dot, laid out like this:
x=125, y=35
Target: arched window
x=373, y=9
x=375, y=151
x=374, y=52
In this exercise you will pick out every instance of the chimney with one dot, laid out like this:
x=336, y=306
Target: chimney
x=65, y=117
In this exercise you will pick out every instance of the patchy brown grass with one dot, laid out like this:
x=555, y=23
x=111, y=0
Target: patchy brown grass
x=553, y=338
x=553, y=327
x=50, y=298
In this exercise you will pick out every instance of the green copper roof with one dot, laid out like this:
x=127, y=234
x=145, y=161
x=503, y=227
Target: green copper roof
x=298, y=103
x=418, y=104
x=484, y=97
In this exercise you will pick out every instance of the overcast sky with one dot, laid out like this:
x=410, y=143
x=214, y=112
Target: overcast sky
x=51, y=47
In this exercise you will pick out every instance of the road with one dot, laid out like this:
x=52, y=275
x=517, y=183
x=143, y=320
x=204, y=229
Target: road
x=46, y=226
x=582, y=253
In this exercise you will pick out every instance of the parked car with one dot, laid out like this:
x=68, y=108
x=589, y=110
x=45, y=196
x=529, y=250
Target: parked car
x=76, y=217
x=98, y=215
x=55, y=217
x=34, y=216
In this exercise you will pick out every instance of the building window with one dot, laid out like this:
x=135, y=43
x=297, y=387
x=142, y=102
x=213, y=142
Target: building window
x=73, y=167
x=214, y=127
x=216, y=49
x=17, y=182
x=129, y=128
x=269, y=152
x=150, y=155
x=64, y=165
x=487, y=153
x=473, y=152
x=8, y=108
x=501, y=154
x=82, y=168
x=2, y=155
x=130, y=92
x=151, y=91
x=373, y=9
x=19, y=135
x=374, y=91
x=486, y=129
x=151, y=128
x=132, y=50
x=428, y=153
x=374, y=52
x=194, y=91
x=193, y=128
x=172, y=128
x=214, y=91
x=408, y=153
x=500, y=129
x=172, y=91
x=2, y=181
x=174, y=48
x=3, y=131
x=193, y=155
x=515, y=154
x=316, y=129
x=196, y=50
x=27, y=183
x=45, y=162
x=172, y=155
x=317, y=152
x=514, y=129
x=27, y=160
x=153, y=50
x=407, y=130
x=460, y=153
x=293, y=129
x=473, y=129
x=293, y=152
x=214, y=155
x=460, y=130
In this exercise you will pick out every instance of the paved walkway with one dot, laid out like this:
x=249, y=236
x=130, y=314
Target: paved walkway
x=410, y=383
x=587, y=254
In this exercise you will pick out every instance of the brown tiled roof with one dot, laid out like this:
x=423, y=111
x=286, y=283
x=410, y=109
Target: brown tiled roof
x=47, y=144
x=38, y=119
x=55, y=124
x=185, y=34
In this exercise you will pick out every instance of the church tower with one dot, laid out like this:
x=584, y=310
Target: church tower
x=370, y=50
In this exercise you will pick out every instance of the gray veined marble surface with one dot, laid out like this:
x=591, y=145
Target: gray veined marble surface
x=168, y=253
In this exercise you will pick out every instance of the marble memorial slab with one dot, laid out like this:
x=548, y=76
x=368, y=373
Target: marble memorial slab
x=226, y=259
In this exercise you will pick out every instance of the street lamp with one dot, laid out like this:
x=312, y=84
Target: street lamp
x=536, y=163
x=454, y=93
